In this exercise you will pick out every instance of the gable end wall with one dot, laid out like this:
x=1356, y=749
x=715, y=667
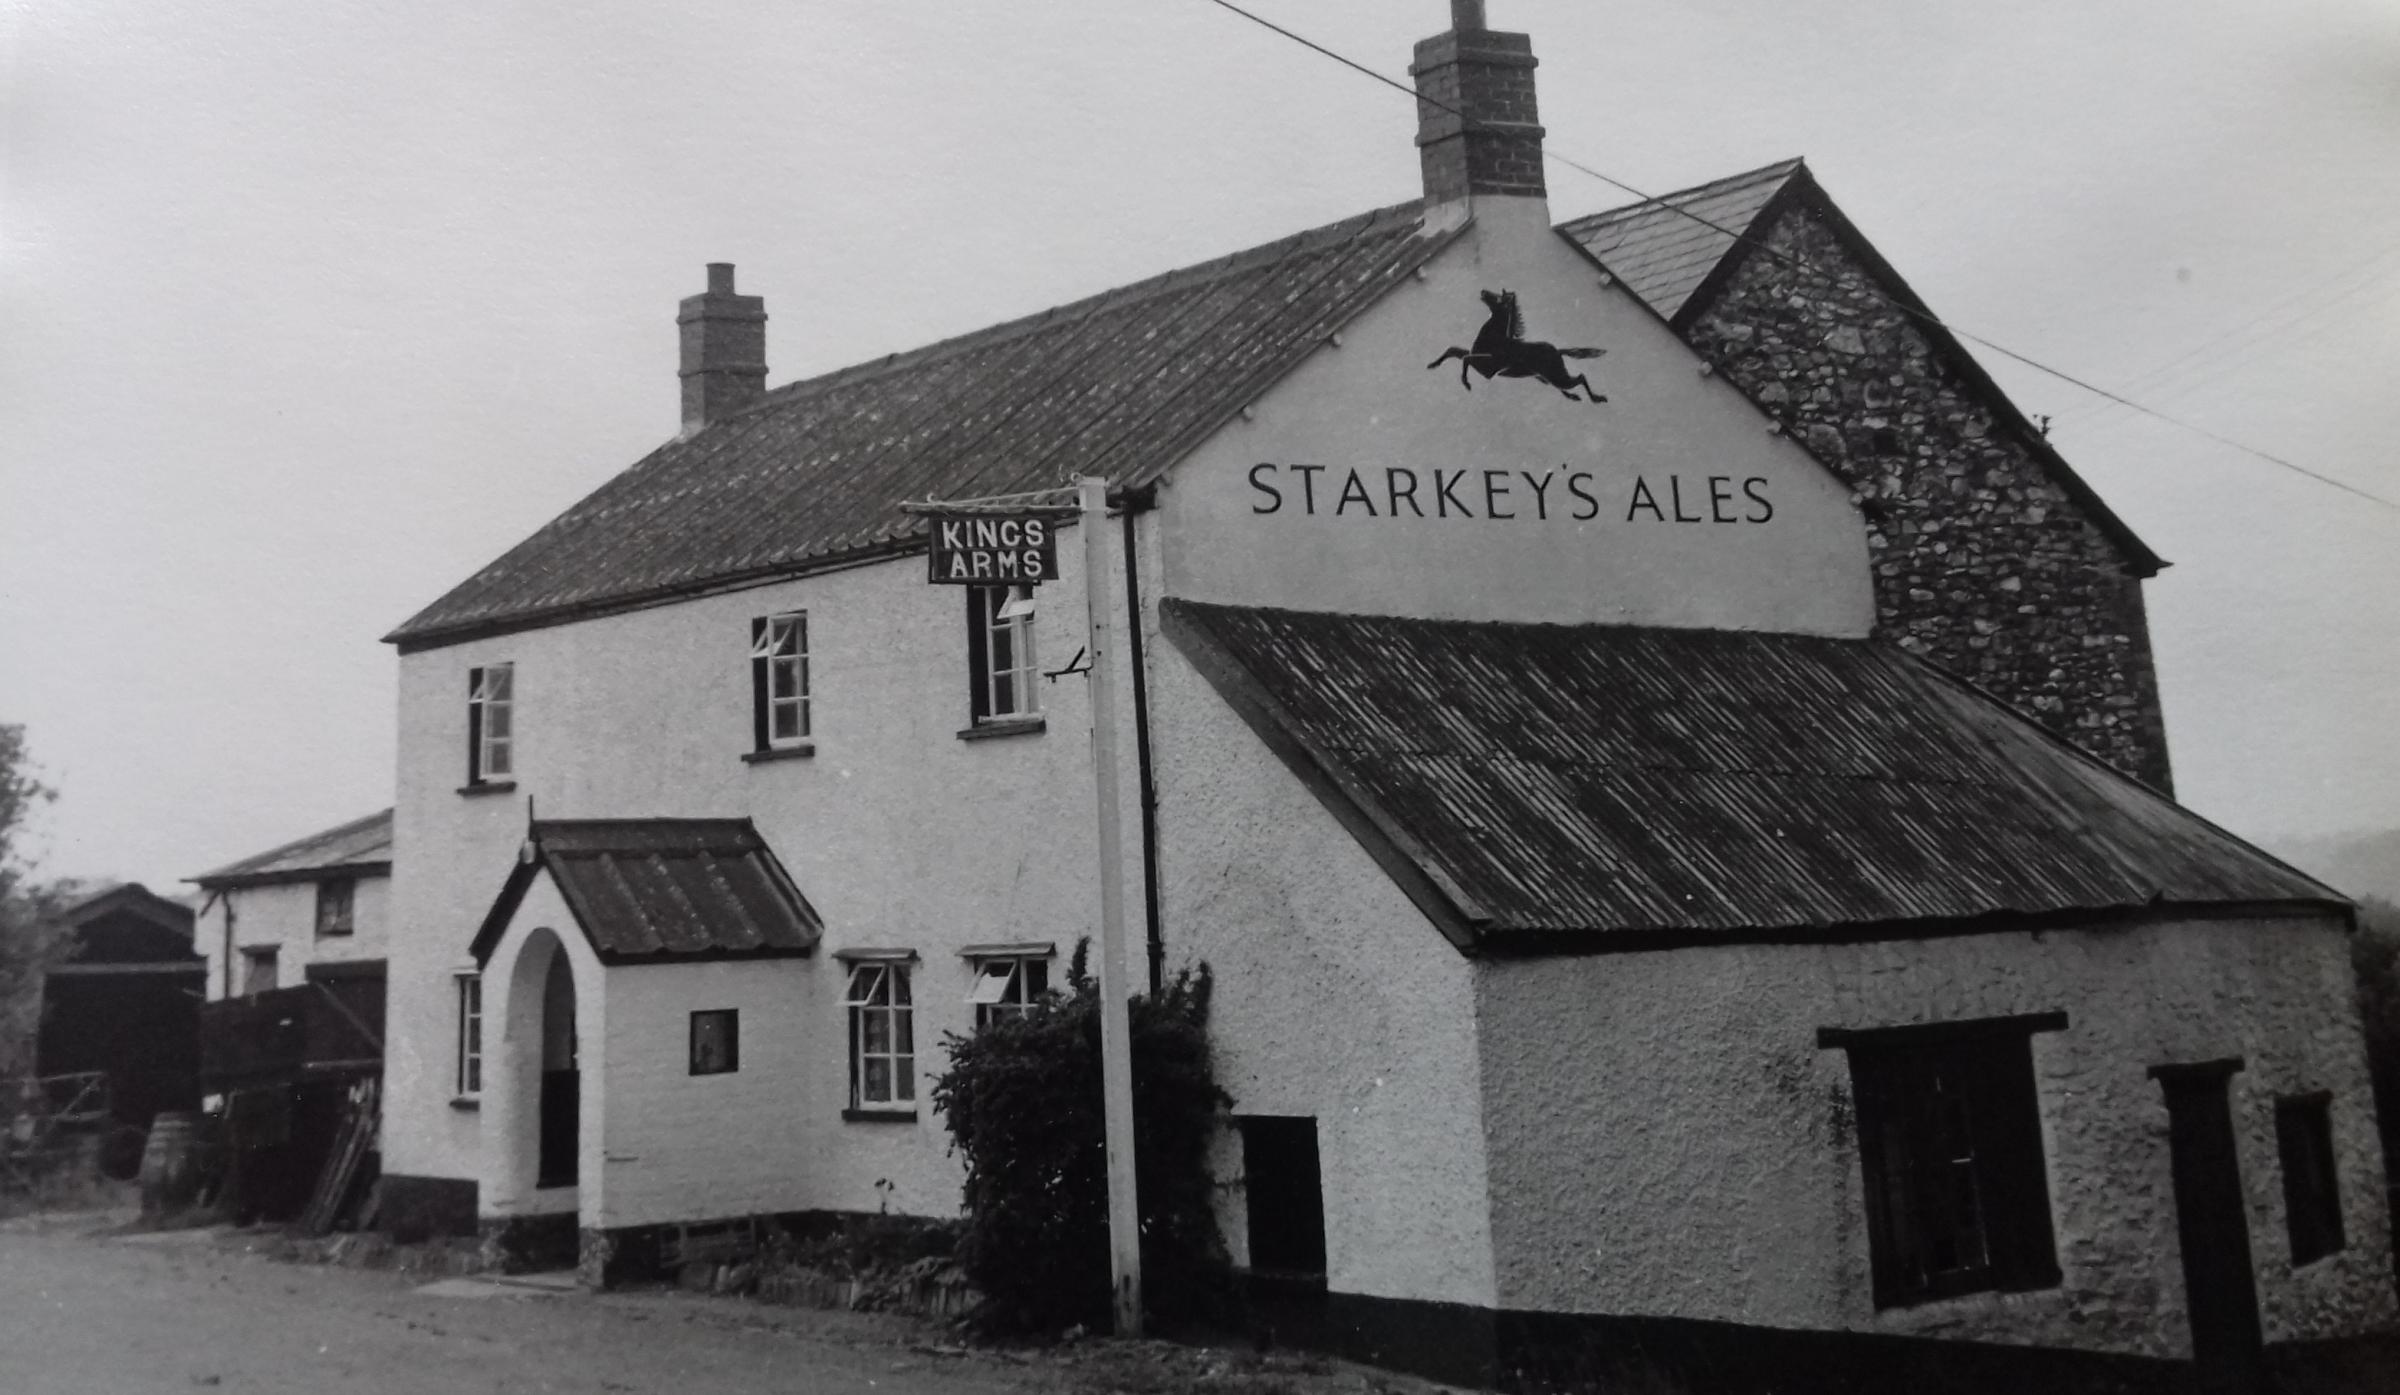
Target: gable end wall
x=1983, y=562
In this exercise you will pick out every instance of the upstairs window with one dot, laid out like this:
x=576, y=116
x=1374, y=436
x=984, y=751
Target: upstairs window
x=1000, y=660
x=336, y=902
x=883, y=1037
x=491, y=726
x=779, y=716
x=1008, y=987
x=2312, y=1196
x=1950, y=1150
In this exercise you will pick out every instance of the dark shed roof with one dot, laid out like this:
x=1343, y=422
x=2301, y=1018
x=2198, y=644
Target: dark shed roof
x=1121, y=385
x=127, y=924
x=1542, y=786
x=652, y=891
x=361, y=847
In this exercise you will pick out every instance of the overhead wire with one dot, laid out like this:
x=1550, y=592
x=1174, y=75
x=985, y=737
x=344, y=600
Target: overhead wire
x=2243, y=339
x=1913, y=312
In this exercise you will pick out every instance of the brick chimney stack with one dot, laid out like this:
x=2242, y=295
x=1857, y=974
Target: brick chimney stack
x=1488, y=77
x=724, y=349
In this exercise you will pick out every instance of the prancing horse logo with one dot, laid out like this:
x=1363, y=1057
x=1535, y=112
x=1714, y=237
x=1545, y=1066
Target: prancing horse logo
x=1502, y=351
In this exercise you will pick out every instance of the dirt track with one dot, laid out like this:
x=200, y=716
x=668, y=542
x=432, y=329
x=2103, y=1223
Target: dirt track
x=82, y=1314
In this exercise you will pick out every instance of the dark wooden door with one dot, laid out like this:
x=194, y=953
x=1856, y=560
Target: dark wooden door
x=1286, y=1189
x=562, y=1093
x=2212, y=1224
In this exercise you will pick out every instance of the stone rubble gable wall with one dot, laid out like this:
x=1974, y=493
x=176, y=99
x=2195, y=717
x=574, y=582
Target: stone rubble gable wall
x=1983, y=562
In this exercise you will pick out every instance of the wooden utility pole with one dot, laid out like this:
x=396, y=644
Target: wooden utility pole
x=1116, y=1028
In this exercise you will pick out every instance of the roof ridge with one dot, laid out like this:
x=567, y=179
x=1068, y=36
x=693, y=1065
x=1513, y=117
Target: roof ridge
x=240, y=865
x=1780, y=169
x=1309, y=239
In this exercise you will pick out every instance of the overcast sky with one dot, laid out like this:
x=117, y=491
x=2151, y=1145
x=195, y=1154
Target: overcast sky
x=310, y=308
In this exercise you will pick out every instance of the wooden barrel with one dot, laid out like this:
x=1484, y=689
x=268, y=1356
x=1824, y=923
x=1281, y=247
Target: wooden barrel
x=171, y=1163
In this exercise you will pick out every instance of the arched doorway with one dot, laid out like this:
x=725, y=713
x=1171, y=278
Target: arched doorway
x=561, y=1081
x=533, y=1091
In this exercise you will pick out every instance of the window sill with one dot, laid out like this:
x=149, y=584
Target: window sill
x=799, y=752
x=1987, y=1286
x=1005, y=726
x=879, y=1116
x=468, y=1104
x=488, y=787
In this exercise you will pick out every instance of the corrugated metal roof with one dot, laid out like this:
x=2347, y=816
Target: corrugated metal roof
x=361, y=845
x=648, y=891
x=1555, y=779
x=1120, y=385
x=1662, y=250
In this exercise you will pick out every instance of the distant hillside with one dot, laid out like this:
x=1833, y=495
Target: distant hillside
x=2360, y=864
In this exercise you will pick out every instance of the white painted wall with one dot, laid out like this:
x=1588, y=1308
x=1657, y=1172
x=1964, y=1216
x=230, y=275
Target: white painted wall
x=285, y=915
x=902, y=835
x=1334, y=998
x=1370, y=405
x=1668, y=1139
x=905, y=837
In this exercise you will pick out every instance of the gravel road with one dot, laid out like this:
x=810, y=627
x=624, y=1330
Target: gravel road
x=89, y=1314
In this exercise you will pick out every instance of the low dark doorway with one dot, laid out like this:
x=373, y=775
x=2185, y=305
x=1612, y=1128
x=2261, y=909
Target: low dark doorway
x=562, y=1084
x=2220, y=1289
x=1286, y=1192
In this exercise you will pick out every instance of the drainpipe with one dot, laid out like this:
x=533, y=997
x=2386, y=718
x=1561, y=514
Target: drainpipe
x=1136, y=502
x=227, y=964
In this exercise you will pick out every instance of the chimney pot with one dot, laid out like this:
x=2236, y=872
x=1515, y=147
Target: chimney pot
x=724, y=340
x=1466, y=16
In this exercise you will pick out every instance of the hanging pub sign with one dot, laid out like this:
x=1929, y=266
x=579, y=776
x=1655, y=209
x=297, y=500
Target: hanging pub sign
x=992, y=549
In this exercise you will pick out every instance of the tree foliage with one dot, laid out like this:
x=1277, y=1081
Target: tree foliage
x=1022, y=1100
x=29, y=933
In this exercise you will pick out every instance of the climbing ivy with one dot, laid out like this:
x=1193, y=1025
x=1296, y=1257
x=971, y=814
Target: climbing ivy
x=1021, y=1099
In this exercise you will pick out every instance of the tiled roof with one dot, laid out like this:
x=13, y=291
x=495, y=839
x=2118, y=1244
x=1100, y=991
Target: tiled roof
x=650, y=891
x=1120, y=385
x=1535, y=785
x=361, y=846
x=1662, y=249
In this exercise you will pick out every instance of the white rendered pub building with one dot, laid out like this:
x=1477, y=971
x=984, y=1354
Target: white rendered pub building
x=1665, y=826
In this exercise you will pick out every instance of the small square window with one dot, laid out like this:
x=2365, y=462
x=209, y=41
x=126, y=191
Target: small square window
x=779, y=689
x=1006, y=988
x=336, y=902
x=2312, y=1188
x=1950, y=1148
x=716, y=1042
x=883, y=1038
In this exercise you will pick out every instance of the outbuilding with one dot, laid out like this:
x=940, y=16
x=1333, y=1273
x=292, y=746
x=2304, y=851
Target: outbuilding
x=1683, y=837
x=292, y=1033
